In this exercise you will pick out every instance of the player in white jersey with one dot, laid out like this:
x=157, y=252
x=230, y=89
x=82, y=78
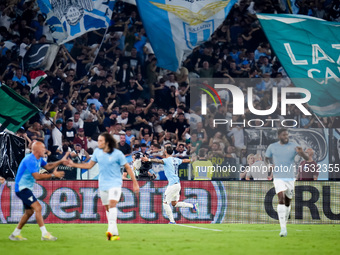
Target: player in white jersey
x=283, y=153
x=171, y=195
x=110, y=179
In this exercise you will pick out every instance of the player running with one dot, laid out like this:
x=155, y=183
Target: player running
x=28, y=173
x=283, y=153
x=171, y=195
x=110, y=179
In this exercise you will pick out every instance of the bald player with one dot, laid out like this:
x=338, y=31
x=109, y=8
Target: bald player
x=28, y=173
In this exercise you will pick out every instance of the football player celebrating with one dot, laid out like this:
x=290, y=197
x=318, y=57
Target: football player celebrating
x=283, y=153
x=28, y=173
x=110, y=180
x=171, y=195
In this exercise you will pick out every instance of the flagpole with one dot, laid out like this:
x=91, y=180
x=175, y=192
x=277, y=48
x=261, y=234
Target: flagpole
x=95, y=57
x=319, y=120
x=41, y=113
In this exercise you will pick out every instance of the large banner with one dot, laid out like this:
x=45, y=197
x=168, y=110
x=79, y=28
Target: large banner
x=78, y=202
x=256, y=202
x=176, y=27
x=308, y=47
x=219, y=202
x=68, y=20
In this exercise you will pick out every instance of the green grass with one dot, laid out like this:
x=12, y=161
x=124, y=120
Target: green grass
x=165, y=239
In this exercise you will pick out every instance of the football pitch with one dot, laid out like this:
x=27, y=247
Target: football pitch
x=165, y=239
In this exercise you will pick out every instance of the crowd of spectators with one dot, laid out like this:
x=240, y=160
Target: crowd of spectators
x=116, y=86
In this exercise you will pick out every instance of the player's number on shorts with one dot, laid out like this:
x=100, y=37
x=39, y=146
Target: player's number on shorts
x=176, y=167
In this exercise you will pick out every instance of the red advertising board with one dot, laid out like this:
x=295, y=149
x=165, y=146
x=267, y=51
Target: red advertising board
x=79, y=202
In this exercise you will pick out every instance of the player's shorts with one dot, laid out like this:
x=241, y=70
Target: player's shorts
x=111, y=194
x=27, y=197
x=286, y=186
x=172, y=193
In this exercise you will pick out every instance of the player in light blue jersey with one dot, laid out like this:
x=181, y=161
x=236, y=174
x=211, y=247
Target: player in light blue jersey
x=283, y=153
x=27, y=174
x=110, y=179
x=171, y=195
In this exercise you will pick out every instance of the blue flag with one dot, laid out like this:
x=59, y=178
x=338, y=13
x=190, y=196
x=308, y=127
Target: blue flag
x=309, y=50
x=69, y=19
x=176, y=27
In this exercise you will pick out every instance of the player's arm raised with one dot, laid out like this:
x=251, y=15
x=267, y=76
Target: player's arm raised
x=186, y=160
x=87, y=165
x=133, y=178
x=153, y=160
x=51, y=165
x=301, y=153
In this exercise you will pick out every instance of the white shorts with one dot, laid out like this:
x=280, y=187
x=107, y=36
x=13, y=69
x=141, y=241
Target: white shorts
x=286, y=186
x=172, y=193
x=111, y=194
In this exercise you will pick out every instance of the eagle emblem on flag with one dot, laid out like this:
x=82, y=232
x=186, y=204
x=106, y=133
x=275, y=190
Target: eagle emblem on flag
x=194, y=18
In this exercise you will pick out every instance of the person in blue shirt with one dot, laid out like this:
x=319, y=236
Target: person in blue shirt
x=95, y=100
x=283, y=153
x=19, y=78
x=27, y=174
x=172, y=192
x=110, y=179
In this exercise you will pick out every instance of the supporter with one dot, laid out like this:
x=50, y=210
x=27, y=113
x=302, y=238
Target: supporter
x=91, y=84
x=181, y=151
x=69, y=132
x=308, y=169
x=35, y=132
x=81, y=139
x=19, y=78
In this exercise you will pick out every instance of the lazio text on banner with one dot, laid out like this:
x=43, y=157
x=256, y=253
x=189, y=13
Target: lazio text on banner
x=16, y=110
x=176, y=27
x=70, y=19
x=308, y=48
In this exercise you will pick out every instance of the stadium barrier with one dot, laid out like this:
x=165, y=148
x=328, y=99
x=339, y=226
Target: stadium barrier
x=219, y=202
